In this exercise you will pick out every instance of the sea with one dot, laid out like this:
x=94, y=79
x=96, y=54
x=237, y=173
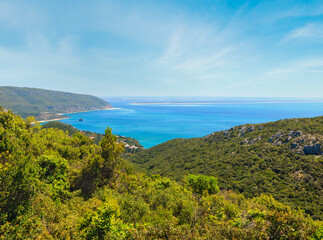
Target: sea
x=154, y=120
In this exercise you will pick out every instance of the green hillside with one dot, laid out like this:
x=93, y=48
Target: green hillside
x=57, y=186
x=46, y=104
x=282, y=158
x=131, y=145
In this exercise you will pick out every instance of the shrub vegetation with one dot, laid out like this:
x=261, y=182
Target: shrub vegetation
x=56, y=186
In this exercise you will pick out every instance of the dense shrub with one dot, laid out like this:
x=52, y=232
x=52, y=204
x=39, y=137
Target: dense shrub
x=56, y=186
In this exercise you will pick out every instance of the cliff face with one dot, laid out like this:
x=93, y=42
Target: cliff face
x=46, y=104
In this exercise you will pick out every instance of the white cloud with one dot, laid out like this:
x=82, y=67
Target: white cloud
x=309, y=31
x=148, y=47
x=196, y=53
x=304, y=11
x=204, y=63
x=297, y=69
x=173, y=49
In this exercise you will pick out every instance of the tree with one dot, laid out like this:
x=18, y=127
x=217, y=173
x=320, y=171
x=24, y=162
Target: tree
x=203, y=184
x=100, y=168
x=110, y=149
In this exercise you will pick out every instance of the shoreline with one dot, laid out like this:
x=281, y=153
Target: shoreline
x=226, y=102
x=51, y=120
x=67, y=117
x=105, y=109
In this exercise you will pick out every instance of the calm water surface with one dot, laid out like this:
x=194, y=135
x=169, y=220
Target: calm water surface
x=152, y=124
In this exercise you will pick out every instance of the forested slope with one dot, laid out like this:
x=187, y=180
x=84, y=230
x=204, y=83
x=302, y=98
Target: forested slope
x=45, y=104
x=282, y=158
x=131, y=145
x=57, y=186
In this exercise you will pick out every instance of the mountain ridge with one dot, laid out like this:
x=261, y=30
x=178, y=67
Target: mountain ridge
x=47, y=104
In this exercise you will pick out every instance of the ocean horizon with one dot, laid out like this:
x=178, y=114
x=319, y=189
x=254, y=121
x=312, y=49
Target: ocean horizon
x=154, y=120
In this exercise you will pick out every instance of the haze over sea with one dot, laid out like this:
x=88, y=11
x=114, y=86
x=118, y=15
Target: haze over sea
x=169, y=118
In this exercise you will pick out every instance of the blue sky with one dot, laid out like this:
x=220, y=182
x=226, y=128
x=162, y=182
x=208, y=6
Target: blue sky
x=164, y=48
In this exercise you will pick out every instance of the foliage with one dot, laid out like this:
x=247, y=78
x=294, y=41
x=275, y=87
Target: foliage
x=32, y=101
x=203, y=184
x=104, y=224
x=247, y=160
x=131, y=145
x=53, y=173
x=56, y=186
x=110, y=149
x=63, y=126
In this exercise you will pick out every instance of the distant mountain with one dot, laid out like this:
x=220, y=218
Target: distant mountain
x=282, y=158
x=47, y=104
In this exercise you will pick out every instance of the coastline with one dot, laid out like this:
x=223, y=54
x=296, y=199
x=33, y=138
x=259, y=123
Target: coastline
x=51, y=120
x=67, y=117
x=104, y=109
x=218, y=102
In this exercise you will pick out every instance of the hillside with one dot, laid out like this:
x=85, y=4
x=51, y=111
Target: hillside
x=46, y=104
x=131, y=145
x=282, y=158
x=57, y=186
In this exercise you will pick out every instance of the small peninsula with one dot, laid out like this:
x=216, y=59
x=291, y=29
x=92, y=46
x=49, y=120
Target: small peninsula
x=48, y=105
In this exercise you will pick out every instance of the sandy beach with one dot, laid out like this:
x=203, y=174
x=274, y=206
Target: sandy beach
x=51, y=120
x=66, y=117
x=106, y=109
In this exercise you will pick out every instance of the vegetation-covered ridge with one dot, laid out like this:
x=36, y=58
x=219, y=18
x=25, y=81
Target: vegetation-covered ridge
x=282, y=158
x=57, y=186
x=131, y=145
x=47, y=104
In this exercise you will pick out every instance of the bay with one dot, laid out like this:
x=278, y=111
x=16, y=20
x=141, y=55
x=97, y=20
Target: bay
x=169, y=118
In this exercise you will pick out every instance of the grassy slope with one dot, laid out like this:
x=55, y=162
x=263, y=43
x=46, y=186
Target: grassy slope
x=32, y=101
x=251, y=159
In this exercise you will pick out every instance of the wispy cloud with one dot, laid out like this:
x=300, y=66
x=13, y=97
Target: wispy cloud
x=173, y=49
x=297, y=69
x=306, y=10
x=202, y=64
x=312, y=31
x=149, y=47
x=197, y=53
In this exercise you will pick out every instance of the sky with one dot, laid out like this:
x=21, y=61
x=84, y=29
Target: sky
x=164, y=48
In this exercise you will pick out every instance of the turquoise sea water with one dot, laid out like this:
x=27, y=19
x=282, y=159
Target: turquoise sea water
x=152, y=124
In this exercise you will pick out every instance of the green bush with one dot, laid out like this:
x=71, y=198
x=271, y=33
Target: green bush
x=203, y=184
